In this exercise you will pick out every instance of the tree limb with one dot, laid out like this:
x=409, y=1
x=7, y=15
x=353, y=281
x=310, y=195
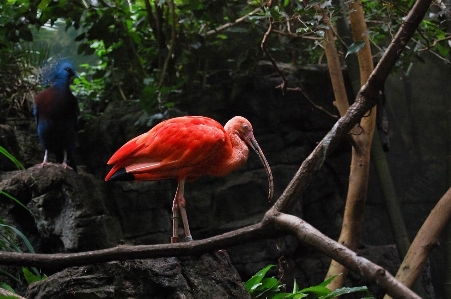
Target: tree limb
x=371, y=272
x=426, y=239
x=353, y=217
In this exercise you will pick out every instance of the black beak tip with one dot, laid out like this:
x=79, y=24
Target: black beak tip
x=121, y=175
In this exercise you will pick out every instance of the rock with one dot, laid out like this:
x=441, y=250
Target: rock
x=70, y=209
x=208, y=276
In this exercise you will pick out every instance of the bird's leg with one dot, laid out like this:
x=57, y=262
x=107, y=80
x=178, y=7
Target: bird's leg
x=179, y=204
x=44, y=162
x=46, y=155
x=175, y=225
x=65, y=160
x=188, y=236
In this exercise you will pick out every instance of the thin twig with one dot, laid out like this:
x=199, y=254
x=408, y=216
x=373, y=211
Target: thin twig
x=311, y=102
x=231, y=24
x=283, y=85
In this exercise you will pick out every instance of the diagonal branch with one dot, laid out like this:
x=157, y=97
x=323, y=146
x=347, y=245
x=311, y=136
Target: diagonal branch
x=366, y=99
x=371, y=272
x=426, y=239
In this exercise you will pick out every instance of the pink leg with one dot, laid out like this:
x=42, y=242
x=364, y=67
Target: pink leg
x=65, y=161
x=175, y=225
x=179, y=204
x=44, y=162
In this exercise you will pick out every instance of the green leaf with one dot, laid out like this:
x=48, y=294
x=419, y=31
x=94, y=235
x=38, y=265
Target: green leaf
x=256, y=279
x=355, y=47
x=320, y=289
x=343, y=291
x=7, y=287
x=14, y=199
x=266, y=285
x=11, y=157
x=21, y=235
x=30, y=277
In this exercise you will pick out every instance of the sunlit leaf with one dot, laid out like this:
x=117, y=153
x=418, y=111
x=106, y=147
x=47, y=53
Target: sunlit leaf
x=257, y=278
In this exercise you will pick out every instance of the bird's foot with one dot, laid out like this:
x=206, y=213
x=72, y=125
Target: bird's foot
x=174, y=240
x=43, y=164
x=188, y=239
x=66, y=166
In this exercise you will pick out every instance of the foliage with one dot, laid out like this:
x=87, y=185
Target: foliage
x=149, y=50
x=260, y=286
x=11, y=157
x=8, y=242
x=9, y=235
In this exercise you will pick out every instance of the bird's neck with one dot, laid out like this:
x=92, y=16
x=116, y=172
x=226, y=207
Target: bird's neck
x=61, y=83
x=239, y=153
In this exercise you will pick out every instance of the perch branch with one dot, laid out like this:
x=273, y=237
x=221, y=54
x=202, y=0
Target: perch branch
x=270, y=226
x=371, y=272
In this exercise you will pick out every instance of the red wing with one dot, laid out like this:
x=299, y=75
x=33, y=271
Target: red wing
x=172, y=147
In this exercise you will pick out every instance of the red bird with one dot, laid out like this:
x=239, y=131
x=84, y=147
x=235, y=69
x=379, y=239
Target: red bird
x=186, y=148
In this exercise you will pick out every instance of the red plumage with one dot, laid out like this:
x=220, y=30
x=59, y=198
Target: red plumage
x=186, y=148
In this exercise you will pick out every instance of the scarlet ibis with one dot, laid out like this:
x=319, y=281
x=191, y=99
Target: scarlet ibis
x=56, y=114
x=186, y=148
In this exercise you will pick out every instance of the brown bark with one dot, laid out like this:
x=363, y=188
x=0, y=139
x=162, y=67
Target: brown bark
x=426, y=239
x=352, y=226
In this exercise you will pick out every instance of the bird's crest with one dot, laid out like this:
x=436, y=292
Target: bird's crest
x=49, y=72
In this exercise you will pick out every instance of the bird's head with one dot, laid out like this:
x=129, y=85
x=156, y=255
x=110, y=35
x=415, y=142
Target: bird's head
x=64, y=71
x=58, y=72
x=243, y=128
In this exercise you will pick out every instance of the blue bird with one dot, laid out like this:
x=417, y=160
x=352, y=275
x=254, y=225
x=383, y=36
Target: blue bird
x=56, y=114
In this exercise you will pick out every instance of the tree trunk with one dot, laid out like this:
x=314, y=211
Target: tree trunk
x=362, y=138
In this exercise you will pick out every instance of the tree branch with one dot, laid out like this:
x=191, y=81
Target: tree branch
x=426, y=239
x=228, y=25
x=58, y=261
x=353, y=217
x=371, y=272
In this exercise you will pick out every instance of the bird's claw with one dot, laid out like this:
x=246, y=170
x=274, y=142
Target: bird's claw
x=188, y=239
x=43, y=164
x=66, y=166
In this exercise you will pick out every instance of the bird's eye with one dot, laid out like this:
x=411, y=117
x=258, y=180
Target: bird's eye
x=245, y=128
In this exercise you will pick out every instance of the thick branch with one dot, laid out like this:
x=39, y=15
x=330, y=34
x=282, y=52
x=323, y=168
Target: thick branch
x=270, y=226
x=60, y=261
x=371, y=272
x=360, y=165
x=366, y=99
x=426, y=239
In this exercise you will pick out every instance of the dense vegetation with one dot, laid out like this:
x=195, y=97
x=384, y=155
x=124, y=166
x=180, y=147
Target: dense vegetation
x=148, y=50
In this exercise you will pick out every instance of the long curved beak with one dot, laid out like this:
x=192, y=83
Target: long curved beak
x=252, y=142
